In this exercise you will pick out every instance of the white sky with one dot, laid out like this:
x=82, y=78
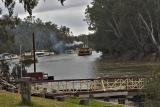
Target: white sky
x=70, y=15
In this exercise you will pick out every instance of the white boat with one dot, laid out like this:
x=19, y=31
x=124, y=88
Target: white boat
x=5, y=56
x=40, y=54
x=43, y=53
x=70, y=52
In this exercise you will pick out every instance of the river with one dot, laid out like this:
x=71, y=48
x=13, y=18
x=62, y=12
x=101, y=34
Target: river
x=68, y=66
x=72, y=66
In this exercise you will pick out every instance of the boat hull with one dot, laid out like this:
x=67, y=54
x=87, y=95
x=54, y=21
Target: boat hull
x=84, y=54
x=84, y=51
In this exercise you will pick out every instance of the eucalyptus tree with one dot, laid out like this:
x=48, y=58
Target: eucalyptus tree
x=8, y=21
x=65, y=30
x=28, y=5
x=123, y=26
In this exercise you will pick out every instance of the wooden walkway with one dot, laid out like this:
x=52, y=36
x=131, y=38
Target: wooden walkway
x=89, y=86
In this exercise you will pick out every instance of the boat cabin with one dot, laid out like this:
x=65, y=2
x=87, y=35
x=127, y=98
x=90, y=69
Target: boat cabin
x=39, y=76
x=84, y=51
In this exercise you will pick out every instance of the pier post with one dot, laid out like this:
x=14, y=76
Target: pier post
x=25, y=90
x=103, y=86
x=34, y=55
x=73, y=87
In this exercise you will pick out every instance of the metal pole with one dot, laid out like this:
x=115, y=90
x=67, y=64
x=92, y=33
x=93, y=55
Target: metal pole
x=21, y=59
x=34, y=55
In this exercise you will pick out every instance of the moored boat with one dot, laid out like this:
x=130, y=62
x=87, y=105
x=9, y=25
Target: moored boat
x=84, y=51
x=70, y=52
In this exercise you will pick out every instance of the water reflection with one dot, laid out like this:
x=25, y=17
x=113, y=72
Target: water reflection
x=68, y=66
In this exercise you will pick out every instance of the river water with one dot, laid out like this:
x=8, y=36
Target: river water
x=72, y=66
x=68, y=66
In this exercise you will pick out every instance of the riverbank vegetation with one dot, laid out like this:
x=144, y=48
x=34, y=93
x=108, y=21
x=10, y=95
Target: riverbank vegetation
x=125, y=29
x=48, y=36
x=16, y=32
x=152, y=91
x=104, y=66
x=13, y=100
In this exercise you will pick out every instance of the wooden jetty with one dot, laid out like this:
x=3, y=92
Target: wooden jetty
x=95, y=86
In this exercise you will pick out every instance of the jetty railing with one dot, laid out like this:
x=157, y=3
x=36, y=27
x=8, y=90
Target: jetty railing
x=89, y=85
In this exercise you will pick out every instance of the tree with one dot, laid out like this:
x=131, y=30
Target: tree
x=4, y=70
x=65, y=30
x=19, y=71
x=8, y=22
x=125, y=26
x=27, y=4
x=6, y=38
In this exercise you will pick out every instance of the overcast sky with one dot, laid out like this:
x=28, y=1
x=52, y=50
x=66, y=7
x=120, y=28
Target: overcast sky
x=70, y=15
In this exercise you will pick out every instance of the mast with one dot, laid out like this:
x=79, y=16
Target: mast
x=34, y=55
x=21, y=60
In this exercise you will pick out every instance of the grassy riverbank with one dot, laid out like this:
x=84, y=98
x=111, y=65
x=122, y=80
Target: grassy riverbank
x=130, y=67
x=13, y=100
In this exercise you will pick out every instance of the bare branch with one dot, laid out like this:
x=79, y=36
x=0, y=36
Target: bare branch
x=136, y=36
x=148, y=29
x=114, y=29
x=117, y=26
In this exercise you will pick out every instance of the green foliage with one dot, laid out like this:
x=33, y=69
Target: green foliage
x=15, y=32
x=13, y=100
x=152, y=89
x=7, y=38
x=4, y=70
x=125, y=26
x=152, y=103
x=7, y=23
x=92, y=102
x=47, y=35
x=28, y=5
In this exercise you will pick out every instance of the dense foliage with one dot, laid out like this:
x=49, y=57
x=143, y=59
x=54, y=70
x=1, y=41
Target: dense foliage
x=48, y=36
x=152, y=90
x=6, y=38
x=125, y=27
x=15, y=32
x=27, y=4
